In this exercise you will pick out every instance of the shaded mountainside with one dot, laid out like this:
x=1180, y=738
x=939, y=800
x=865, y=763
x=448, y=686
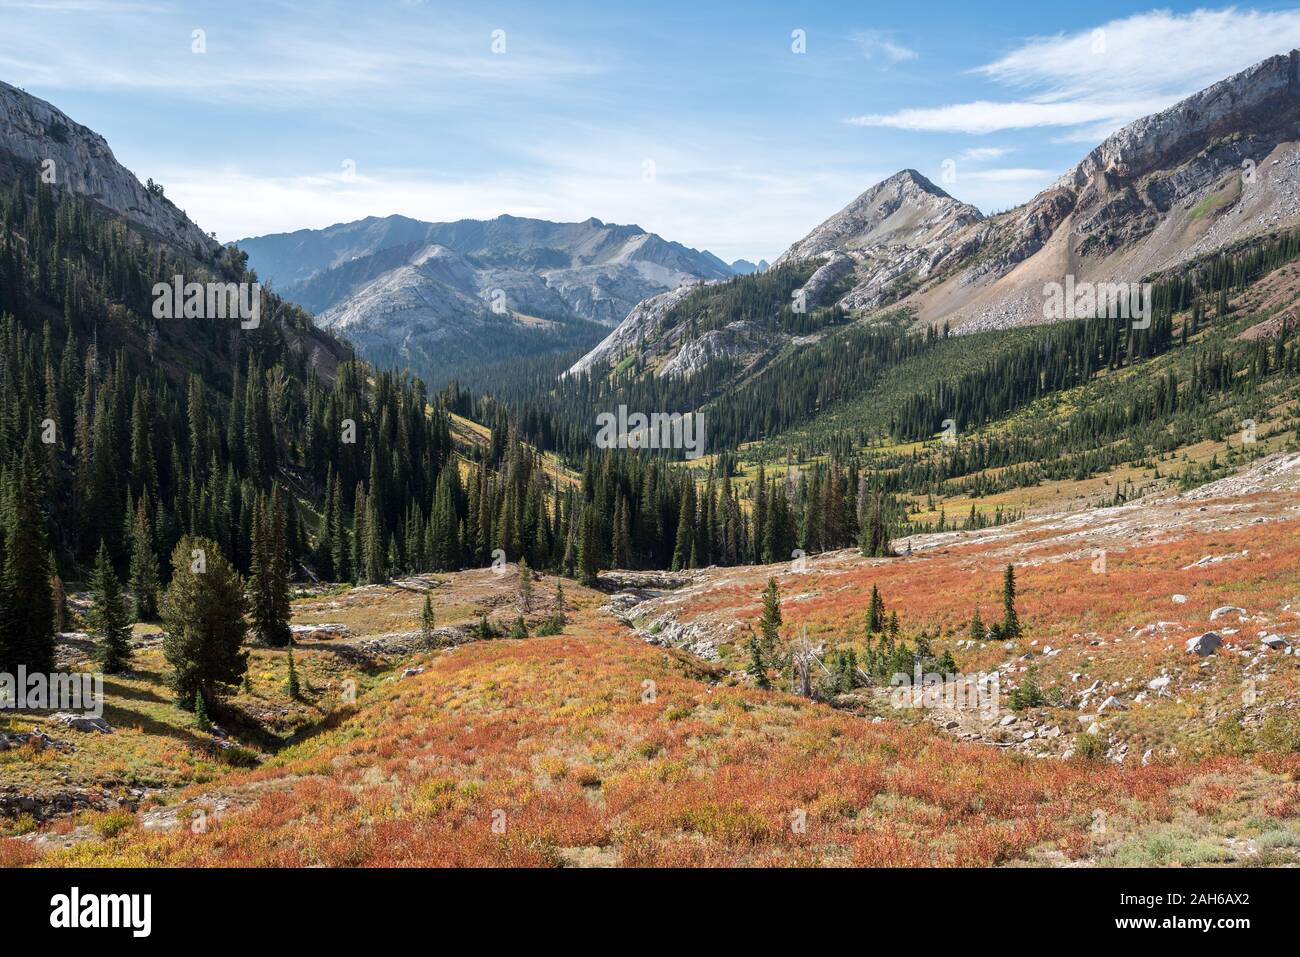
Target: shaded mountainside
x=435, y=296
x=122, y=428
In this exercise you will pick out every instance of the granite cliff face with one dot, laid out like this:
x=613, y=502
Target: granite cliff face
x=1220, y=166
x=41, y=138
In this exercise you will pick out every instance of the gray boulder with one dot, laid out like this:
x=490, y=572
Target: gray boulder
x=81, y=722
x=1204, y=645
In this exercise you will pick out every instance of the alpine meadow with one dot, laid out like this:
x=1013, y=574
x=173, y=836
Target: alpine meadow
x=784, y=437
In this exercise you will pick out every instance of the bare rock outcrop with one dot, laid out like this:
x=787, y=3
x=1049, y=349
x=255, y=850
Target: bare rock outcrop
x=78, y=159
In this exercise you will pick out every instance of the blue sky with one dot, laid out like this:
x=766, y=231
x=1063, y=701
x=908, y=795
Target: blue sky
x=699, y=121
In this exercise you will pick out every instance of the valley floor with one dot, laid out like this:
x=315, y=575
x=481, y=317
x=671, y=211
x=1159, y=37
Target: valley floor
x=636, y=737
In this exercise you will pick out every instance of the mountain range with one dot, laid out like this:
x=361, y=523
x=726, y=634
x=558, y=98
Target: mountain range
x=1210, y=172
x=440, y=296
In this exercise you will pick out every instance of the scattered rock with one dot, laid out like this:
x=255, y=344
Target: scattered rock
x=1227, y=610
x=81, y=722
x=321, y=632
x=1204, y=645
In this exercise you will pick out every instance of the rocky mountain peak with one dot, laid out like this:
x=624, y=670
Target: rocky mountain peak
x=904, y=210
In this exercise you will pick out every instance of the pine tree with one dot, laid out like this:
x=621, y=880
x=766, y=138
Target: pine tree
x=757, y=667
x=769, y=624
x=108, y=620
x=269, y=578
x=341, y=549
x=203, y=612
x=427, y=623
x=201, y=720
x=525, y=587
x=144, y=565
x=874, y=539
x=588, y=547
x=875, y=612
x=683, y=547
x=622, y=550
x=26, y=600
x=1010, y=620
x=977, y=630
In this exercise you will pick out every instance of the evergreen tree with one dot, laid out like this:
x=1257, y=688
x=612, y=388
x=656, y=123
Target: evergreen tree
x=201, y=720
x=26, y=598
x=144, y=565
x=588, y=547
x=203, y=612
x=525, y=587
x=874, y=540
x=875, y=612
x=269, y=579
x=427, y=622
x=683, y=547
x=769, y=625
x=108, y=620
x=757, y=666
x=1010, y=620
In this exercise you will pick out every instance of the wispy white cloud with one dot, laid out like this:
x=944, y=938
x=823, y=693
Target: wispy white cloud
x=880, y=45
x=276, y=62
x=987, y=116
x=1108, y=76
x=979, y=153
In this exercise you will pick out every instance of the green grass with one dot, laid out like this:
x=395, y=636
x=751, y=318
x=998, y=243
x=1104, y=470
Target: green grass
x=1172, y=846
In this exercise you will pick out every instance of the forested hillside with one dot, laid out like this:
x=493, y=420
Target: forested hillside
x=136, y=433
